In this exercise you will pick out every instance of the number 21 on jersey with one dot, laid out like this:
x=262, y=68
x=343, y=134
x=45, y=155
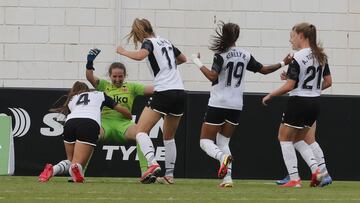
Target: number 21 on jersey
x=311, y=74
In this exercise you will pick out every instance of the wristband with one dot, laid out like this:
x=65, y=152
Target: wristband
x=197, y=61
x=282, y=63
x=90, y=65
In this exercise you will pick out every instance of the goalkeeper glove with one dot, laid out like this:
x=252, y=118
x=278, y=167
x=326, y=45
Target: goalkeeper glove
x=91, y=57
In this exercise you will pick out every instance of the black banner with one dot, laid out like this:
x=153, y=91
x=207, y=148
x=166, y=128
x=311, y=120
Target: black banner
x=257, y=155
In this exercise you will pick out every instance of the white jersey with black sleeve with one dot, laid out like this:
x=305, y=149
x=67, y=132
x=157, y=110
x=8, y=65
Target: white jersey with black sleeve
x=307, y=73
x=227, y=90
x=89, y=105
x=162, y=64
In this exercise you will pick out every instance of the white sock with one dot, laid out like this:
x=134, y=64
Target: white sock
x=223, y=143
x=290, y=159
x=211, y=149
x=319, y=155
x=61, y=168
x=307, y=155
x=146, y=147
x=170, y=157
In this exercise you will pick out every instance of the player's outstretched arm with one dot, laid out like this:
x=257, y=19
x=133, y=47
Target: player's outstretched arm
x=271, y=68
x=209, y=74
x=135, y=55
x=93, y=53
x=288, y=86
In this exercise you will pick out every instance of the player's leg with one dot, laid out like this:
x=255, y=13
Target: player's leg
x=285, y=136
x=63, y=166
x=146, y=122
x=130, y=134
x=169, y=130
x=304, y=149
x=213, y=122
x=319, y=155
x=86, y=134
x=223, y=140
x=82, y=154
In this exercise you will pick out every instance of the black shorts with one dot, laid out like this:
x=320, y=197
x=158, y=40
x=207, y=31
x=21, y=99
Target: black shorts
x=301, y=111
x=84, y=130
x=218, y=116
x=168, y=102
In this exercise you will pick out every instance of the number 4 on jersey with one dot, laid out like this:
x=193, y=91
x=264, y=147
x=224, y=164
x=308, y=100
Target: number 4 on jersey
x=83, y=99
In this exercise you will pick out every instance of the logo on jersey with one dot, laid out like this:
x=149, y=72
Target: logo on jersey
x=22, y=122
x=118, y=99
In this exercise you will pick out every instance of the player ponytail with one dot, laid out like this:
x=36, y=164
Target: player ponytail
x=309, y=32
x=77, y=88
x=226, y=36
x=141, y=28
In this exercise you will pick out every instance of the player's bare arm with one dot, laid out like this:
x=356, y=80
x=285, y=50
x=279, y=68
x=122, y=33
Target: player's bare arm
x=287, y=87
x=135, y=55
x=275, y=67
x=180, y=59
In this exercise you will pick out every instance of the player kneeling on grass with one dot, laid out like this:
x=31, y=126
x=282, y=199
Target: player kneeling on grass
x=226, y=96
x=81, y=129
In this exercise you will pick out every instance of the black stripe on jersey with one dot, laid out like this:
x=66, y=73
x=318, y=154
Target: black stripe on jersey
x=153, y=63
x=147, y=44
x=293, y=72
x=326, y=70
x=108, y=102
x=218, y=62
x=177, y=52
x=253, y=65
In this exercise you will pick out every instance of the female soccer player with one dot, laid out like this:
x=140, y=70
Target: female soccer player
x=226, y=97
x=308, y=74
x=114, y=126
x=168, y=99
x=310, y=139
x=82, y=127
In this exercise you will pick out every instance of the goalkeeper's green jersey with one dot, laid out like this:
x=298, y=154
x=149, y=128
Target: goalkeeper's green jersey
x=124, y=95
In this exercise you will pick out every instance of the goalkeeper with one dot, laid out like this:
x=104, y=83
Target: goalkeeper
x=114, y=126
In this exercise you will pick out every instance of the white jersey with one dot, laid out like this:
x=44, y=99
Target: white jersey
x=307, y=73
x=227, y=91
x=162, y=64
x=89, y=105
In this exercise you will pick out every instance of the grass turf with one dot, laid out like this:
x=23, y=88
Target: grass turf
x=27, y=189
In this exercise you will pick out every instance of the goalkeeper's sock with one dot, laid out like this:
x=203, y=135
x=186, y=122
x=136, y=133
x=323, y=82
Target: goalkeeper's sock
x=61, y=168
x=142, y=160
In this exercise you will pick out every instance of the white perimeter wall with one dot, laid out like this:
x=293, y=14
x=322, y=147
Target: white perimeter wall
x=43, y=43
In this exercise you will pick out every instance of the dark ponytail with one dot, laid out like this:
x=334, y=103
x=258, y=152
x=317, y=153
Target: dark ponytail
x=226, y=36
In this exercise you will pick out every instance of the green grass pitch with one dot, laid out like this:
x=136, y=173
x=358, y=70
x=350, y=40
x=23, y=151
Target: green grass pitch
x=27, y=189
